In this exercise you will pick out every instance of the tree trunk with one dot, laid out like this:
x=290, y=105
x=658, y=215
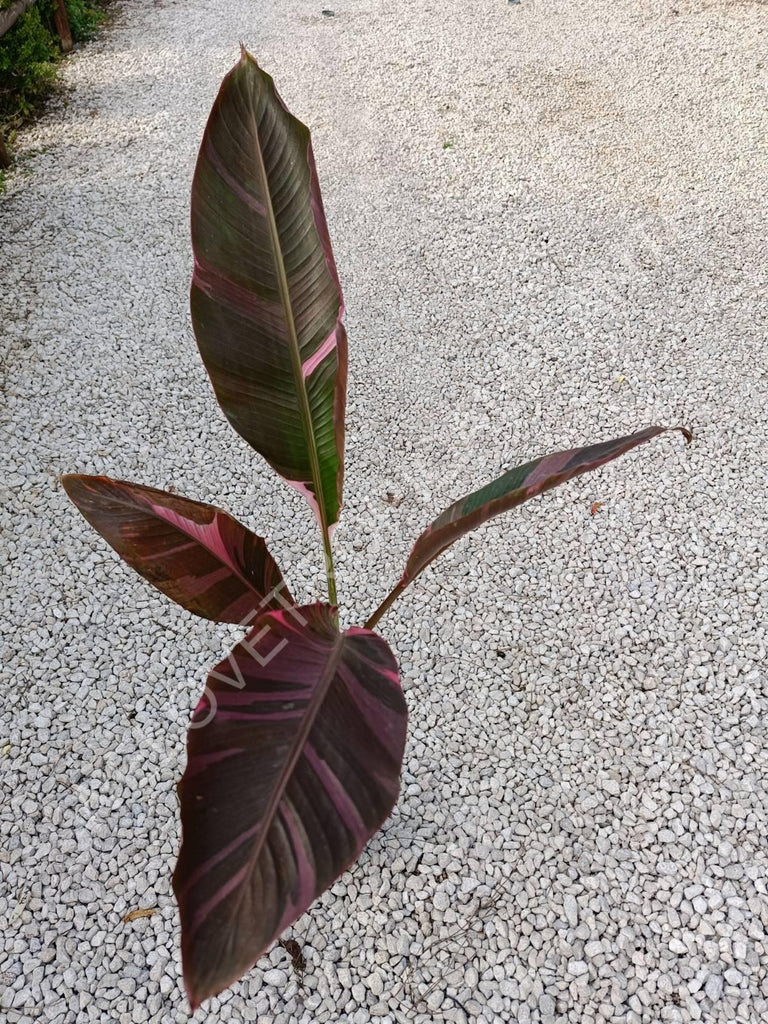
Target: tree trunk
x=62, y=25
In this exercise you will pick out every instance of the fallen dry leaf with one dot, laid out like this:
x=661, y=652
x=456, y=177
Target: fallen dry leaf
x=134, y=915
x=594, y=507
x=293, y=949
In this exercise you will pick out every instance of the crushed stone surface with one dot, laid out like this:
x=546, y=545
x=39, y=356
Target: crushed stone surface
x=550, y=225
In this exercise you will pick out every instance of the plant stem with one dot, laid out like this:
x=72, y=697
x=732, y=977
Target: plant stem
x=329, y=570
x=388, y=601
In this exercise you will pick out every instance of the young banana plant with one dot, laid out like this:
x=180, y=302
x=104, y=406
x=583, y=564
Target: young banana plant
x=295, y=749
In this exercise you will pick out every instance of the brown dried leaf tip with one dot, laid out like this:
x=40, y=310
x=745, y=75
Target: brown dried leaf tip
x=135, y=915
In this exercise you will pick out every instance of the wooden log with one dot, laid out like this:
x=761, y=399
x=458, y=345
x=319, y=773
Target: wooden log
x=61, y=21
x=11, y=15
x=5, y=156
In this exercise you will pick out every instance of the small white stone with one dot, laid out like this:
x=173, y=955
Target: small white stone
x=441, y=900
x=571, y=909
x=375, y=983
x=435, y=999
x=546, y=1005
x=714, y=986
x=275, y=977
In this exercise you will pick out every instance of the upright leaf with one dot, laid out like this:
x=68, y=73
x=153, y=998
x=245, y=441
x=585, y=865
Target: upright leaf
x=513, y=488
x=266, y=301
x=199, y=556
x=293, y=763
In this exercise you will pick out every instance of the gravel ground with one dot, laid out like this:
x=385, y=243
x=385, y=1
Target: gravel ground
x=549, y=221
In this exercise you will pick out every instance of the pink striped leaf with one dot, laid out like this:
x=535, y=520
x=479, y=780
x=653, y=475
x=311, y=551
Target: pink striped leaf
x=515, y=487
x=199, y=556
x=294, y=757
x=266, y=301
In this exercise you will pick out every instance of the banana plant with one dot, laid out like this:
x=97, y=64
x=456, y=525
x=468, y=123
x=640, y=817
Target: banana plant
x=295, y=750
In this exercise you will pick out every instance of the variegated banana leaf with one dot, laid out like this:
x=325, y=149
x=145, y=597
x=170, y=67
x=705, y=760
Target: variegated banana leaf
x=199, y=556
x=266, y=301
x=294, y=758
x=513, y=488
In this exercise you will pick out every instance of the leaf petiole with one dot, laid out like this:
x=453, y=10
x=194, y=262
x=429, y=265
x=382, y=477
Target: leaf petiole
x=329, y=570
x=386, y=604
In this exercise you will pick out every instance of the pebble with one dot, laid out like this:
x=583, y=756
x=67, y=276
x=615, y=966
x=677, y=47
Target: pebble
x=578, y=967
x=441, y=900
x=546, y=1005
x=376, y=983
x=571, y=909
x=275, y=977
x=714, y=987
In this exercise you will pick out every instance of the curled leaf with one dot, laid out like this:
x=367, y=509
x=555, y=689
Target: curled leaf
x=516, y=486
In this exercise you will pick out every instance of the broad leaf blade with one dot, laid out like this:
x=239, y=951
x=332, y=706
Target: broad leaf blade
x=294, y=765
x=197, y=555
x=265, y=299
x=514, y=488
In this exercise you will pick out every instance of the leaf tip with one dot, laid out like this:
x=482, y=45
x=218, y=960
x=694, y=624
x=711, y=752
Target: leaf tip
x=245, y=56
x=687, y=434
x=195, y=996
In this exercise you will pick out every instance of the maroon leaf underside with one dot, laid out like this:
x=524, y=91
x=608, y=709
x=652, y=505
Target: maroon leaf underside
x=196, y=554
x=294, y=759
x=516, y=486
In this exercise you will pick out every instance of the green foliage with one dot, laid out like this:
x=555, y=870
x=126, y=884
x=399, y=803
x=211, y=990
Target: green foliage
x=29, y=52
x=27, y=70
x=84, y=19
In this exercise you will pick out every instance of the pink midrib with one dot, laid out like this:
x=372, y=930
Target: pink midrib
x=318, y=696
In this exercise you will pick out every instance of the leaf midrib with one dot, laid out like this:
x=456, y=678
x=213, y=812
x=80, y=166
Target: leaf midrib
x=293, y=339
x=294, y=753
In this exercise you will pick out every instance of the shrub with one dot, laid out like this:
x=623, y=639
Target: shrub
x=84, y=18
x=29, y=52
x=27, y=69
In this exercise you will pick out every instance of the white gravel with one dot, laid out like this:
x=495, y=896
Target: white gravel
x=550, y=225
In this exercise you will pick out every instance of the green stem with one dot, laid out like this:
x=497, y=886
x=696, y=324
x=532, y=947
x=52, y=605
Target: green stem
x=329, y=570
x=386, y=604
